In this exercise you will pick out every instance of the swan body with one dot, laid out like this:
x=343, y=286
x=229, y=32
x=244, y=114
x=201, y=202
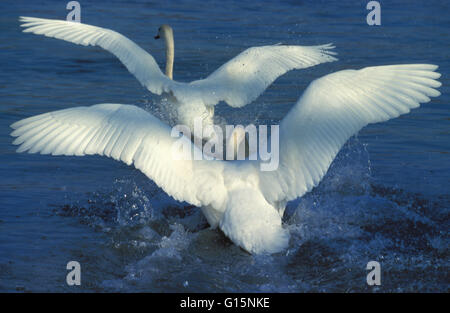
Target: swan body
x=238, y=82
x=246, y=203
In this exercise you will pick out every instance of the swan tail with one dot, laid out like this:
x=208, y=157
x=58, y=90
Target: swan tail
x=254, y=225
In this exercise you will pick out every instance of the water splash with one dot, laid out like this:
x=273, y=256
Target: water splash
x=347, y=221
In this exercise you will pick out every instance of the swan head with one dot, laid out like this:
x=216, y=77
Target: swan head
x=164, y=31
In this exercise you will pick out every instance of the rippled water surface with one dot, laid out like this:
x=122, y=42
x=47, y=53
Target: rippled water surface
x=385, y=198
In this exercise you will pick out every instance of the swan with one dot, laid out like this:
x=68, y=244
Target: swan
x=247, y=204
x=238, y=82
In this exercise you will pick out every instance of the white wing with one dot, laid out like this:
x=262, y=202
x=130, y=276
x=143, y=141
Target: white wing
x=331, y=110
x=125, y=133
x=238, y=82
x=136, y=60
x=242, y=79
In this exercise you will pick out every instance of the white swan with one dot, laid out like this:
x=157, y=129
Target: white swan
x=238, y=82
x=246, y=203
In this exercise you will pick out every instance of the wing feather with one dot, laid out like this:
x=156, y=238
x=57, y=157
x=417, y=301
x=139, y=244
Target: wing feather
x=125, y=133
x=238, y=82
x=136, y=60
x=242, y=79
x=331, y=110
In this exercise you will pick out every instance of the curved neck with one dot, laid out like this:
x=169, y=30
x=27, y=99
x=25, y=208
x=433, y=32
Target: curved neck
x=168, y=37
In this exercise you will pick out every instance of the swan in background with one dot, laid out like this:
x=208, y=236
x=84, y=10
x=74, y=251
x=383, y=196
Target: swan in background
x=246, y=203
x=238, y=82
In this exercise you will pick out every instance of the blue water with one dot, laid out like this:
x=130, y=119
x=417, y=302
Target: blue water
x=385, y=198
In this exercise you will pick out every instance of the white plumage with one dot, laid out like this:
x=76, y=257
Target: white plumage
x=246, y=203
x=238, y=82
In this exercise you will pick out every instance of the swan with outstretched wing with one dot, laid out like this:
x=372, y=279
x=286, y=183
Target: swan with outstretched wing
x=238, y=82
x=245, y=202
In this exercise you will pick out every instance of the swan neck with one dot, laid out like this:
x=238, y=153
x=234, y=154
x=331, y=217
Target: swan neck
x=170, y=53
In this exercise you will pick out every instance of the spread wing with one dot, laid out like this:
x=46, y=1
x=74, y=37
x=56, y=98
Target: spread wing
x=242, y=79
x=140, y=63
x=238, y=82
x=331, y=110
x=129, y=134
